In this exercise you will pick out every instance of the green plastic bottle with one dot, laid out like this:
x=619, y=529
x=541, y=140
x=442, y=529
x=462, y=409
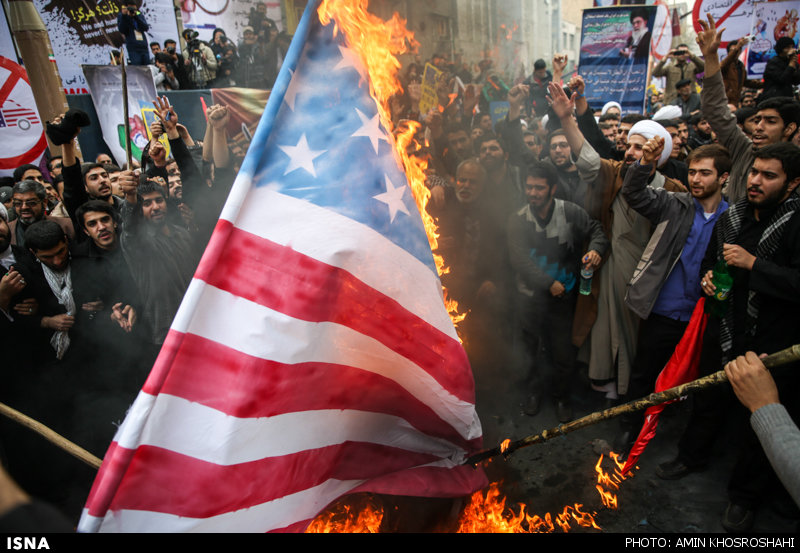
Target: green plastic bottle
x=723, y=282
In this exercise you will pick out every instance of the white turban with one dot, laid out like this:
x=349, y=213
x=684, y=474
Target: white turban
x=649, y=129
x=668, y=112
x=3, y=213
x=610, y=105
x=545, y=119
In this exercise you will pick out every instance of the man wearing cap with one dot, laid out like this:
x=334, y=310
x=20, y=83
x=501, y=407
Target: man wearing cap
x=688, y=100
x=257, y=54
x=782, y=72
x=628, y=232
x=678, y=65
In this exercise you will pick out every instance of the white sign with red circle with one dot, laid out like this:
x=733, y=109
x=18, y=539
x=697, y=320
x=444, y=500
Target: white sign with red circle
x=735, y=16
x=661, y=42
x=21, y=129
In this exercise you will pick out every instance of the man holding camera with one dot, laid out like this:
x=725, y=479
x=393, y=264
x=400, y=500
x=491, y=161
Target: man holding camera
x=199, y=59
x=132, y=25
x=782, y=72
x=679, y=64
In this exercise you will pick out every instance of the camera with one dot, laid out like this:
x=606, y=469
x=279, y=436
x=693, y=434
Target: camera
x=170, y=50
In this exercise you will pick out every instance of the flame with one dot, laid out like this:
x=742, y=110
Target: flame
x=504, y=445
x=488, y=513
x=606, y=481
x=344, y=518
x=378, y=43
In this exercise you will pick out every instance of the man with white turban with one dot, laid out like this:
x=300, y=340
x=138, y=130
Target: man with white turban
x=611, y=106
x=614, y=331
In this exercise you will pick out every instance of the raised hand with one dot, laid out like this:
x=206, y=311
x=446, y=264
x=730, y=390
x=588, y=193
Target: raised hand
x=562, y=106
x=218, y=116
x=709, y=38
x=651, y=151
x=167, y=116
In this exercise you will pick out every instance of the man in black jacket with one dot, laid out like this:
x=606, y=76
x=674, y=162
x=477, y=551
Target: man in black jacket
x=782, y=72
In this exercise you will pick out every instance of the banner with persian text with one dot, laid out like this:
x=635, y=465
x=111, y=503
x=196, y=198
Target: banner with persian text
x=80, y=31
x=771, y=21
x=615, y=49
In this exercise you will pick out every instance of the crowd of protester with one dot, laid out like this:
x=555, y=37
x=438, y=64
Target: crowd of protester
x=579, y=241
x=95, y=260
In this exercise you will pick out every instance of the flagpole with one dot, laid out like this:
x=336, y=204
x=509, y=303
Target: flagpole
x=782, y=357
x=52, y=436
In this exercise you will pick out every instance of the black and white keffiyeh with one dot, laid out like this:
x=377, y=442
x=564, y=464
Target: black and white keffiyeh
x=730, y=224
x=60, y=283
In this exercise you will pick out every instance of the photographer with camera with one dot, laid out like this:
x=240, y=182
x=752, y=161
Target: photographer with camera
x=258, y=58
x=199, y=60
x=178, y=66
x=227, y=58
x=678, y=65
x=132, y=25
x=781, y=73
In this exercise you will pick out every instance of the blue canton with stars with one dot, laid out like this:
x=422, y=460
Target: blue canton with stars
x=326, y=146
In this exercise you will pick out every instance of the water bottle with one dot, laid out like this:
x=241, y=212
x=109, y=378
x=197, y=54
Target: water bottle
x=723, y=282
x=586, y=280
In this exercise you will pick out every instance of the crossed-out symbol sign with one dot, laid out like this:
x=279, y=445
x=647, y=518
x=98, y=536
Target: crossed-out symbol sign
x=21, y=130
x=722, y=10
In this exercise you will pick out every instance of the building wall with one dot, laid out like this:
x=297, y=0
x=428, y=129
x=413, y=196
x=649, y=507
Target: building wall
x=514, y=33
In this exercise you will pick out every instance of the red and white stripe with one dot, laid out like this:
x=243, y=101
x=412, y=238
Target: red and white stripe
x=310, y=358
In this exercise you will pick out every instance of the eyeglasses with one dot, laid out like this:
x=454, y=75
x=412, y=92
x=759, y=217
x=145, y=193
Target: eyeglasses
x=25, y=203
x=557, y=145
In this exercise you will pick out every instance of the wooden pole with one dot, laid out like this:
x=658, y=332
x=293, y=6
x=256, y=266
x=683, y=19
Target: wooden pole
x=50, y=435
x=128, y=155
x=36, y=50
x=782, y=357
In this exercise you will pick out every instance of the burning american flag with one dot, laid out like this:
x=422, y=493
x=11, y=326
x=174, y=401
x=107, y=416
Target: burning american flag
x=312, y=355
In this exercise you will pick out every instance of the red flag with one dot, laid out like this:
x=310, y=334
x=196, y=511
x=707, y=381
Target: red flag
x=312, y=356
x=676, y=23
x=682, y=367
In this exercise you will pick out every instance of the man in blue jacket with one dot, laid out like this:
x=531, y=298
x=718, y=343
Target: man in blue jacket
x=132, y=25
x=666, y=283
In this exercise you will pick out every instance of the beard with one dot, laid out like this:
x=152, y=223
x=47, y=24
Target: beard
x=771, y=200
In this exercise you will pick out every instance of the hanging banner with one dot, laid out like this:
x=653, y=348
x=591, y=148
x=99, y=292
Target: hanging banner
x=80, y=29
x=232, y=16
x=662, y=32
x=615, y=49
x=105, y=84
x=771, y=21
